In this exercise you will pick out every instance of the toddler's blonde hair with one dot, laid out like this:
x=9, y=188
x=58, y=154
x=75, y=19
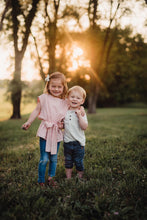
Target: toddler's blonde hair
x=79, y=89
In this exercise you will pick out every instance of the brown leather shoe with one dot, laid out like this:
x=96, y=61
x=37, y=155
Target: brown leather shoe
x=41, y=184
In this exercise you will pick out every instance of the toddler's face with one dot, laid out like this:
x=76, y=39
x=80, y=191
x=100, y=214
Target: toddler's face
x=75, y=99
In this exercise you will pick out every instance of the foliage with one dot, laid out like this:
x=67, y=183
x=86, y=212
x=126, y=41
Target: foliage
x=114, y=185
x=32, y=90
x=126, y=77
x=116, y=57
x=123, y=77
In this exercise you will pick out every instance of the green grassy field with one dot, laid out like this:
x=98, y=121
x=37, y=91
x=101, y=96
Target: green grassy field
x=114, y=185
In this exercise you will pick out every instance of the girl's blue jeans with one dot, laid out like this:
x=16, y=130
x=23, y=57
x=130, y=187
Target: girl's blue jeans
x=44, y=158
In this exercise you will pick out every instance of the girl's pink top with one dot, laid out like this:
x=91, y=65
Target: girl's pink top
x=53, y=110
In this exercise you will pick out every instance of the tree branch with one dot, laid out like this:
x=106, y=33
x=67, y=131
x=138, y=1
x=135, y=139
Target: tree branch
x=8, y=2
x=28, y=23
x=15, y=12
x=39, y=59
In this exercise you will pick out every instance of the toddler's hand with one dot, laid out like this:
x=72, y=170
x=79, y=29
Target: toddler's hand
x=26, y=125
x=82, y=110
x=79, y=112
x=60, y=124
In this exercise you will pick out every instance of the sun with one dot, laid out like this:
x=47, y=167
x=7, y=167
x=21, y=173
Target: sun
x=77, y=58
x=77, y=52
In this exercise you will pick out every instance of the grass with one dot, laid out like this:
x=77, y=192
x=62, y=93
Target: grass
x=114, y=185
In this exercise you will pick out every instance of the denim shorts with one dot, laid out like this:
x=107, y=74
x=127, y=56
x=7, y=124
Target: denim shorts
x=74, y=154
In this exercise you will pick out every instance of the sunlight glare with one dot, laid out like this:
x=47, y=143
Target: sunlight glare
x=29, y=71
x=77, y=58
x=4, y=65
x=74, y=66
x=87, y=77
x=77, y=51
x=72, y=25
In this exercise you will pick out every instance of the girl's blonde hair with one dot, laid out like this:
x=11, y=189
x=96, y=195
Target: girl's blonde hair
x=79, y=89
x=57, y=75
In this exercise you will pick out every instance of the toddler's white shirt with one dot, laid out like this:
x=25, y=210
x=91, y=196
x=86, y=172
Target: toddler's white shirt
x=72, y=130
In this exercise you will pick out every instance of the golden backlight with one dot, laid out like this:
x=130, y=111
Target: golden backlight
x=77, y=58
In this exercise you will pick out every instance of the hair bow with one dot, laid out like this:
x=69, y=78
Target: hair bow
x=47, y=78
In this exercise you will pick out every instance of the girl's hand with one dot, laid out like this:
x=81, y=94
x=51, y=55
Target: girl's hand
x=26, y=125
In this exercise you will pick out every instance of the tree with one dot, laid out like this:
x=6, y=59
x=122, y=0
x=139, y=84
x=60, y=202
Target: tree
x=21, y=15
x=16, y=12
x=100, y=53
x=125, y=78
x=49, y=11
x=54, y=35
x=7, y=5
x=51, y=33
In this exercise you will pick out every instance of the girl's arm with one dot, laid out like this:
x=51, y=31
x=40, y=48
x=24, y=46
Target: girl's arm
x=32, y=117
x=82, y=122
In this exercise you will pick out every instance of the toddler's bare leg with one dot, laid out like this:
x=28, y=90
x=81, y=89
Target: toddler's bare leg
x=80, y=174
x=68, y=173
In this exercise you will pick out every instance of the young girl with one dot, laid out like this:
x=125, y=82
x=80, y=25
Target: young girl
x=51, y=109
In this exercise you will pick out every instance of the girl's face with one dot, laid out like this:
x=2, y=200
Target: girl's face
x=75, y=99
x=56, y=87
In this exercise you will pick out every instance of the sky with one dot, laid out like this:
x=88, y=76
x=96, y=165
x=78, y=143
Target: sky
x=136, y=20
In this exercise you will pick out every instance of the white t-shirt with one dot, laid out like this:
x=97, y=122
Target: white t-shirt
x=72, y=130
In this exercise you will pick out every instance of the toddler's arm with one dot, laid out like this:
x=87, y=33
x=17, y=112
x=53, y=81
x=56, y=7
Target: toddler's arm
x=32, y=117
x=82, y=122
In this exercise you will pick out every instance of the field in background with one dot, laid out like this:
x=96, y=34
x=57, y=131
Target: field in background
x=6, y=107
x=114, y=185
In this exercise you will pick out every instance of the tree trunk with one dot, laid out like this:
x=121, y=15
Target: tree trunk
x=52, y=46
x=92, y=99
x=16, y=88
x=16, y=99
x=92, y=103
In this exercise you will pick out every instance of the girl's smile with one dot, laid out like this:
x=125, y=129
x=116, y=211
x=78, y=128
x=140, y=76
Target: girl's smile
x=56, y=87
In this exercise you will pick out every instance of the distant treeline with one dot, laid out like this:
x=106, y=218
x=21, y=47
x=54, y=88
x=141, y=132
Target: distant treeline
x=114, y=95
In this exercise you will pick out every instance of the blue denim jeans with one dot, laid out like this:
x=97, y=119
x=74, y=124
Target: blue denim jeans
x=74, y=154
x=44, y=158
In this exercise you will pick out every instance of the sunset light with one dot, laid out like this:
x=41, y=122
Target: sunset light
x=29, y=71
x=5, y=72
x=77, y=52
x=78, y=59
x=73, y=84
x=75, y=55
x=87, y=77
